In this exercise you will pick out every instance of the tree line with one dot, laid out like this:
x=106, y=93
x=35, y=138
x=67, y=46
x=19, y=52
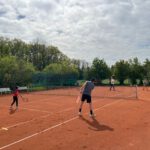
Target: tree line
x=36, y=63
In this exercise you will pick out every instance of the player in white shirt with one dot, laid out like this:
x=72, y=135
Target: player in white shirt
x=145, y=84
x=112, y=83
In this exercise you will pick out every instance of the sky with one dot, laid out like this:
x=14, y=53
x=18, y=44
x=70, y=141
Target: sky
x=81, y=29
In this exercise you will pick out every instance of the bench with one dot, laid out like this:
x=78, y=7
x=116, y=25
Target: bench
x=5, y=90
x=23, y=88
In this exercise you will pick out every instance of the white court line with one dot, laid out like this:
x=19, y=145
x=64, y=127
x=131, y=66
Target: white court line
x=44, y=116
x=32, y=109
x=52, y=127
x=107, y=105
x=25, y=122
x=45, y=99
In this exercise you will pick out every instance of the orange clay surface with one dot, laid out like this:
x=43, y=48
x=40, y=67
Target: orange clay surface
x=50, y=122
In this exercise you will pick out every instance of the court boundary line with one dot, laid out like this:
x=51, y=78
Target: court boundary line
x=45, y=100
x=43, y=116
x=32, y=109
x=42, y=111
x=54, y=126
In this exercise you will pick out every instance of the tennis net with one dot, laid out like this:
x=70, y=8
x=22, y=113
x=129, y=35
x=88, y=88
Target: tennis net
x=126, y=92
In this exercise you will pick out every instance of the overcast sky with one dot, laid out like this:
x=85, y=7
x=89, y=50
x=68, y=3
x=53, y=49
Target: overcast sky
x=82, y=29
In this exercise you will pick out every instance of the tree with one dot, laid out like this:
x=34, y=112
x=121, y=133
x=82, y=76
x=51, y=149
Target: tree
x=99, y=69
x=81, y=66
x=136, y=70
x=62, y=68
x=61, y=74
x=8, y=70
x=121, y=70
x=146, y=68
x=36, y=53
x=14, y=72
x=25, y=72
x=41, y=56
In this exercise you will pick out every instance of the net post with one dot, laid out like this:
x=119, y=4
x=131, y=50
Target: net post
x=136, y=91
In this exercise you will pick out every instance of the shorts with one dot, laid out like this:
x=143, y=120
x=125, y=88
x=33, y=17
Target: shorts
x=15, y=98
x=86, y=97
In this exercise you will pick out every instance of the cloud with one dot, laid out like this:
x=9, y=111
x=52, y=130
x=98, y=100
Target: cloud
x=84, y=29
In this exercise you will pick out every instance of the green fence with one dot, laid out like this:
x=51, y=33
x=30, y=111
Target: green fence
x=50, y=80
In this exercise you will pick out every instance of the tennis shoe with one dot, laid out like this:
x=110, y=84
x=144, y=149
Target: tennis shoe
x=79, y=113
x=92, y=115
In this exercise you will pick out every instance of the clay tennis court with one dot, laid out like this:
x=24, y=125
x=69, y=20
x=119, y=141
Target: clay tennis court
x=50, y=122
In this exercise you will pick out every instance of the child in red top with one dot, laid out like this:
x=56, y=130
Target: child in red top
x=15, y=97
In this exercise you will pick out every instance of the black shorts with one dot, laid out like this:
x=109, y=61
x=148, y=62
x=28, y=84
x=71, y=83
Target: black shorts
x=15, y=98
x=86, y=97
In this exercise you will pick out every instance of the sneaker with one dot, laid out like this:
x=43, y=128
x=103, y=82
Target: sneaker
x=79, y=113
x=92, y=115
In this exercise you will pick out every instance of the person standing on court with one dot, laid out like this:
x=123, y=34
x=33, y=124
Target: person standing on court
x=145, y=84
x=15, y=97
x=86, y=91
x=112, y=83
